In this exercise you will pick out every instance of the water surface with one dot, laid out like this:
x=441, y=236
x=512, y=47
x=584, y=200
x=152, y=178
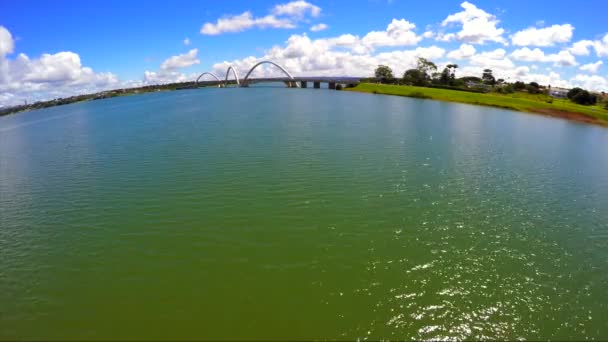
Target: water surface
x=268, y=213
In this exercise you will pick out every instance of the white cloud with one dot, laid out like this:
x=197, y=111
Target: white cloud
x=296, y=9
x=492, y=59
x=181, y=61
x=6, y=42
x=244, y=21
x=601, y=46
x=464, y=51
x=166, y=76
x=318, y=27
x=428, y=34
x=529, y=55
x=50, y=76
x=283, y=16
x=187, y=41
x=398, y=33
x=592, y=67
x=563, y=58
x=345, y=55
x=581, y=48
x=478, y=26
x=593, y=82
x=547, y=36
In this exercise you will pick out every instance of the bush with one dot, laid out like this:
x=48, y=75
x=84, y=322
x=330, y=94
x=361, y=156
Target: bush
x=338, y=87
x=419, y=95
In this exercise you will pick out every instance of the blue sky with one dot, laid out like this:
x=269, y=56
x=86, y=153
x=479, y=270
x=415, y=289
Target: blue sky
x=50, y=49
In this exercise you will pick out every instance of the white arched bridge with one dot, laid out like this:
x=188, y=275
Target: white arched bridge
x=288, y=79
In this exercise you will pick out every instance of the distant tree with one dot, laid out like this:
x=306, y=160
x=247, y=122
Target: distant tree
x=444, y=78
x=533, y=88
x=573, y=92
x=384, y=73
x=426, y=66
x=487, y=77
x=415, y=77
x=470, y=79
x=453, y=71
x=582, y=97
x=519, y=85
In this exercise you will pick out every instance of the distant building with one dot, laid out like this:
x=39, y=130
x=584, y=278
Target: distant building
x=560, y=93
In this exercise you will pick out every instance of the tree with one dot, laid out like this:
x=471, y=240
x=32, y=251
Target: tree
x=487, y=77
x=415, y=77
x=426, y=66
x=581, y=96
x=533, y=88
x=447, y=76
x=573, y=92
x=471, y=79
x=519, y=85
x=384, y=73
x=444, y=78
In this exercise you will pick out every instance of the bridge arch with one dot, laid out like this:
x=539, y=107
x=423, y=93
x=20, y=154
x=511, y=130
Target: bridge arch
x=236, y=75
x=266, y=62
x=207, y=73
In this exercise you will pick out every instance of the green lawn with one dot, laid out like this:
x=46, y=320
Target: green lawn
x=518, y=101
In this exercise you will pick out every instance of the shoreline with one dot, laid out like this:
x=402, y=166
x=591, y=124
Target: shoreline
x=521, y=104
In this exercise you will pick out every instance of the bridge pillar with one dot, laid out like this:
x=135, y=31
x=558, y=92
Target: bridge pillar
x=303, y=84
x=332, y=85
x=317, y=84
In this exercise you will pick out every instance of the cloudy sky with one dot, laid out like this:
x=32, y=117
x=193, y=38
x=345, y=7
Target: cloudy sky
x=51, y=49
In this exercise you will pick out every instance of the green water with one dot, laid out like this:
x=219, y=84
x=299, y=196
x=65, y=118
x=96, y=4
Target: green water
x=268, y=213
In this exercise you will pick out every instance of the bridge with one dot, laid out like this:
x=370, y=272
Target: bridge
x=289, y=80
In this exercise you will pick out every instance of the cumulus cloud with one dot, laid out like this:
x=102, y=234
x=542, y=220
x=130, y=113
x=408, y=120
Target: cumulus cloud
x=601, y=46
x=242, y=22
x=166, y=76
x=562, y=58
x=592, y=67
x=6, y=42
x=581, y=48
x=297, y=9
x=547, y=36
x=593, y=82
x=181, y=61
x=340, y=55
x=49, y=76
x=477, y=26
x=492, y=59
x=464, y=51
x=318, y=27
x=397, y=33
x=283, y=16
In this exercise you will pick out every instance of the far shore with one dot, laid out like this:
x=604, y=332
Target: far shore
x=522, y=102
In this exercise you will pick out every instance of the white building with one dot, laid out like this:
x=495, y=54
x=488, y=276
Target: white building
x=560, y=93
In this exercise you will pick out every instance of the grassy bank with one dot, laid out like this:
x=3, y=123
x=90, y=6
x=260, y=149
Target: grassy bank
x=519, y=101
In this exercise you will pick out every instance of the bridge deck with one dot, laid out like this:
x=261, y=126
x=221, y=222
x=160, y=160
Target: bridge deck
x=342, y=80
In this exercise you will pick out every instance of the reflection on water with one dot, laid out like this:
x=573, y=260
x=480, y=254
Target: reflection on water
x=272, y=213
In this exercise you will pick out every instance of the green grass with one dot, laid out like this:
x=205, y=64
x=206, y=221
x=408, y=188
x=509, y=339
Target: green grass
x=518, y=101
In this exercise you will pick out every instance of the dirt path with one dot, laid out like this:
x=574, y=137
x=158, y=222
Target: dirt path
x=570, y=116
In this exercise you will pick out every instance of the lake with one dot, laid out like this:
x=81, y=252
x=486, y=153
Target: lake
x=275, y=213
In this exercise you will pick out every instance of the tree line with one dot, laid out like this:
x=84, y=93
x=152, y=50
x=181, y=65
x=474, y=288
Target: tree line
x=426, y=74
